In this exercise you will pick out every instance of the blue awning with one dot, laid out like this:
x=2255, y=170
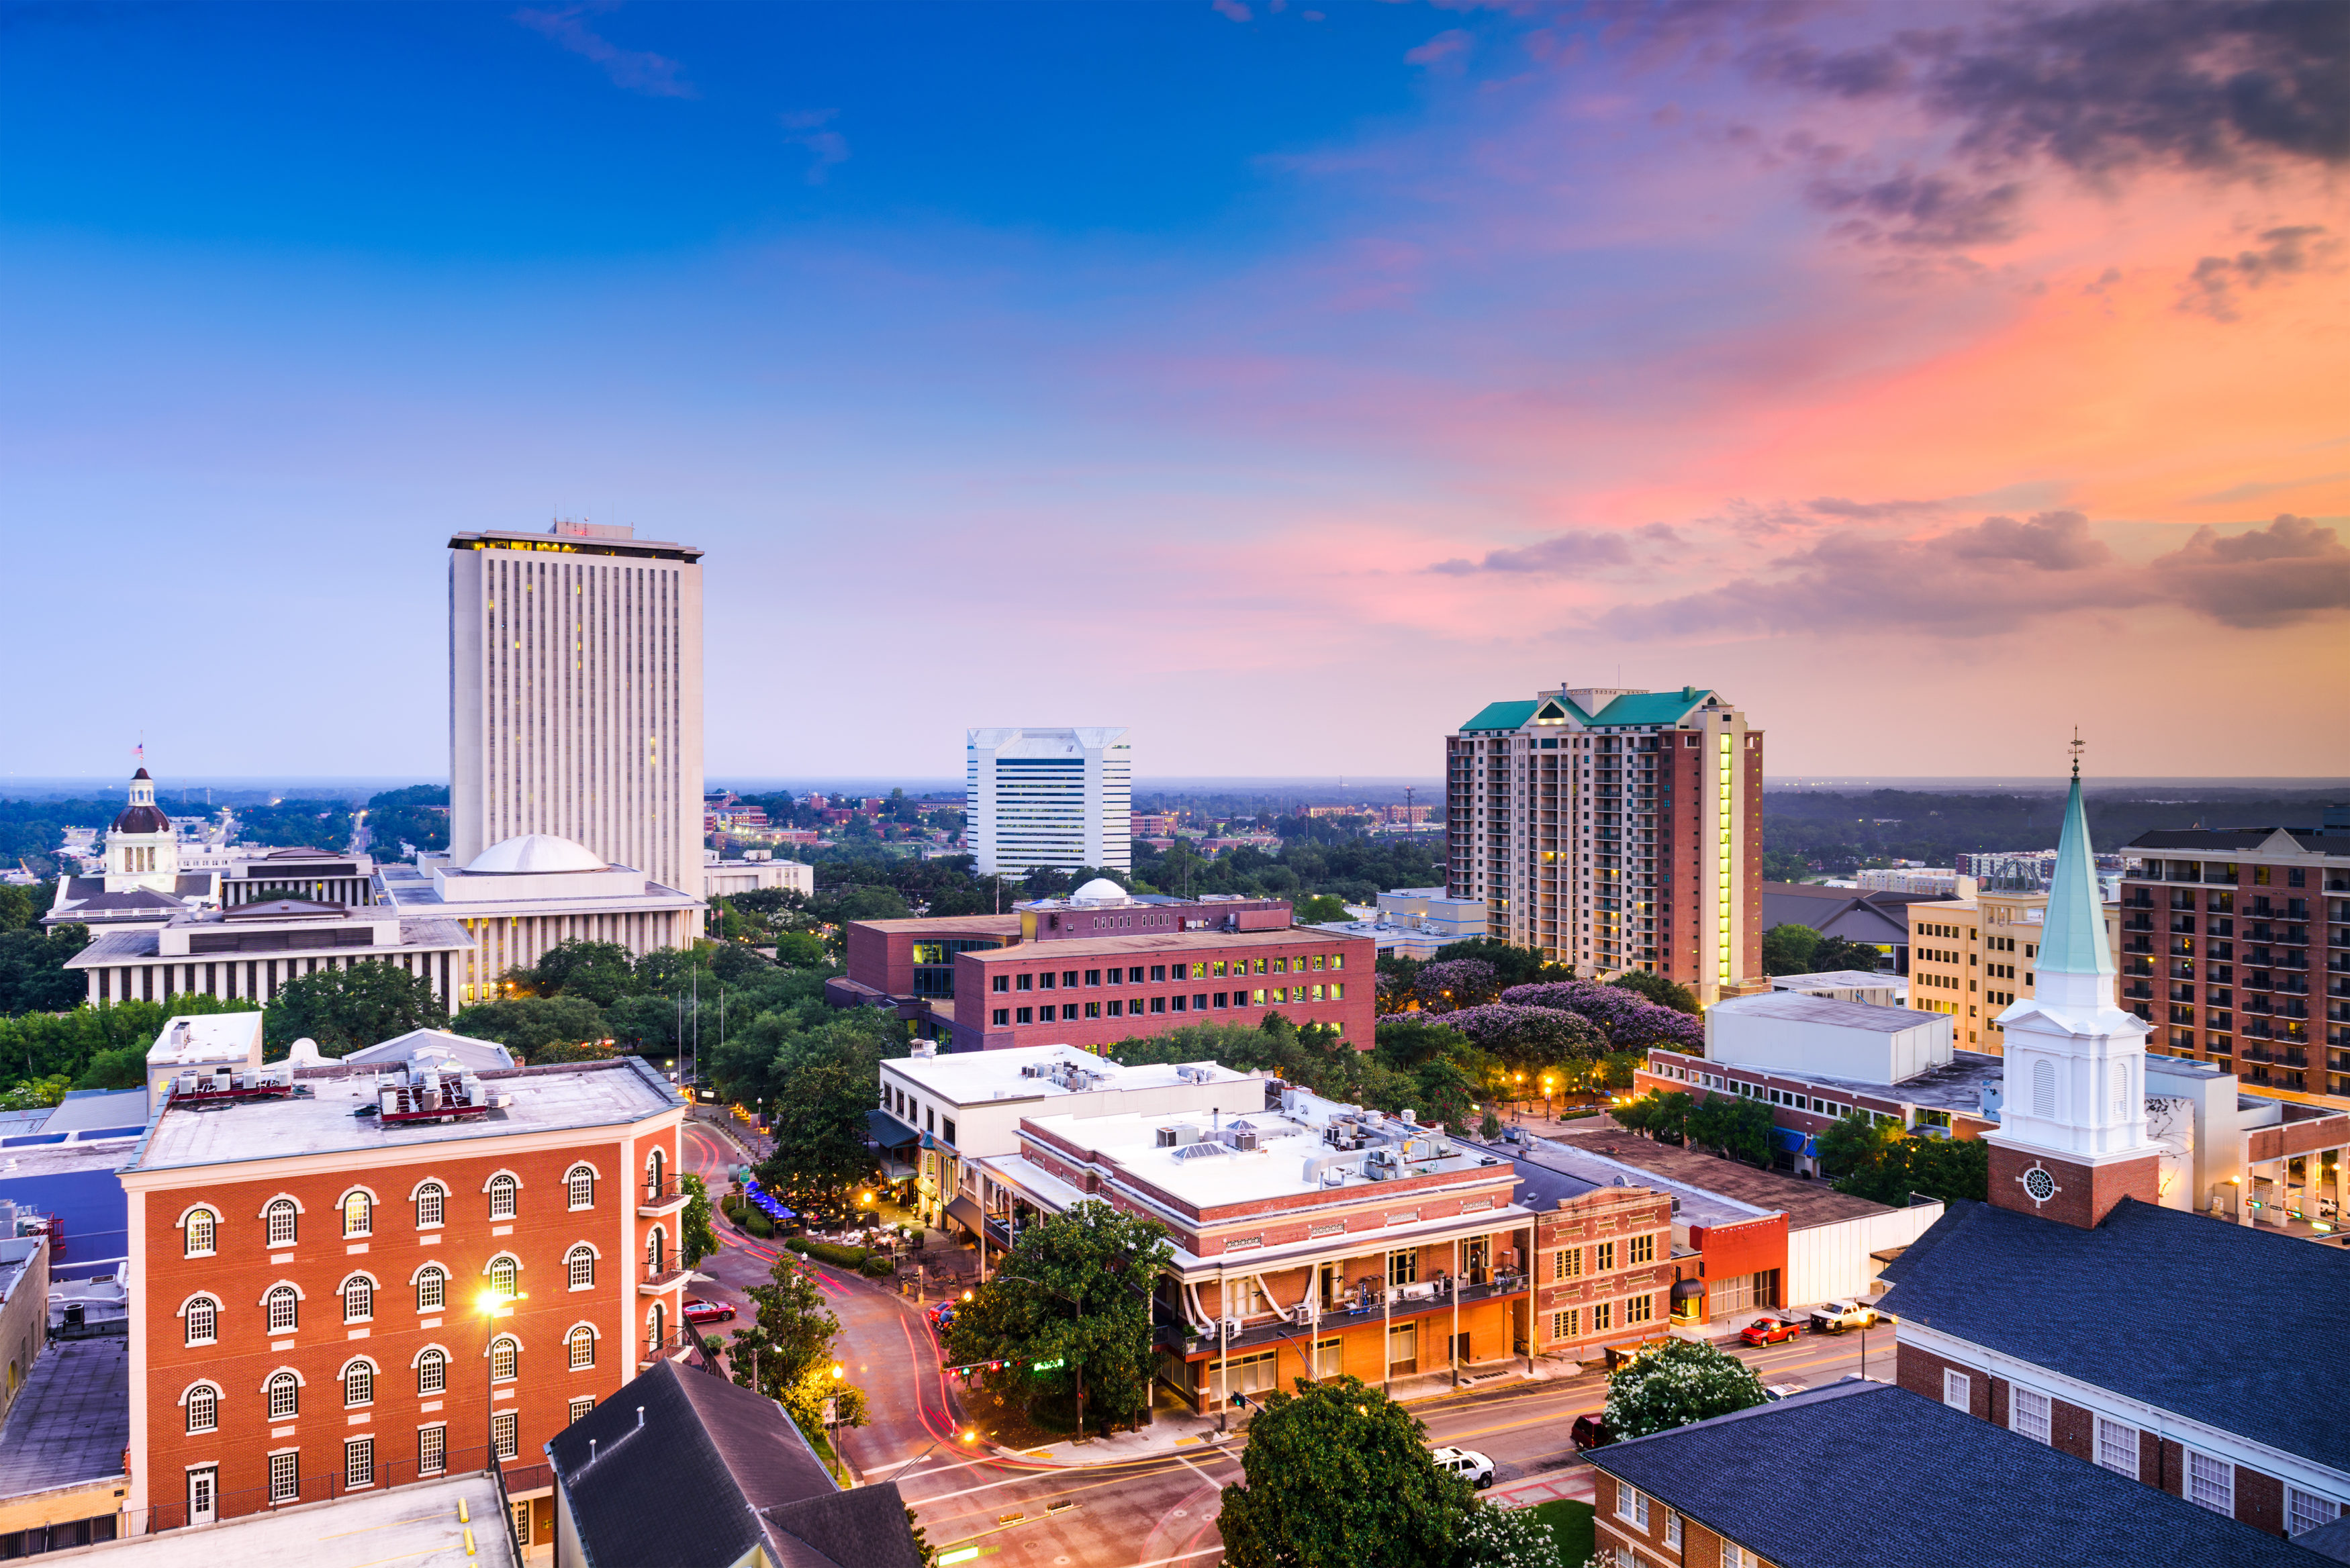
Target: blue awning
x=1793, y=1140
x=888, y=1131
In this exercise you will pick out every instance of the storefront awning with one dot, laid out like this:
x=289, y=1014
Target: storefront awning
x=1793, y=1140
x=889, y=1132
x=964, y=1209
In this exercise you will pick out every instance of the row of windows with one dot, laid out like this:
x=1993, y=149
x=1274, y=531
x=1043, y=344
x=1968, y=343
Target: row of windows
x=1568, y=1263
x=1068, y=978
x=1569, y=1322
x=359, y=1458
x=2211, y=1480
x=1070, y=1012
x=283, y=1392
x=282, y=1304
x=281, y=1218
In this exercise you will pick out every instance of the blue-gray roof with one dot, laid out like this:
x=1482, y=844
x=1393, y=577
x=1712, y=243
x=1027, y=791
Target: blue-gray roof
x=2157, y=1304
x=1861, y=1475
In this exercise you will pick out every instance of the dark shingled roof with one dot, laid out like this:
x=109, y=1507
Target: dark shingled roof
x=1861, y=1475
x=712, y=1471
x=2151, y=1304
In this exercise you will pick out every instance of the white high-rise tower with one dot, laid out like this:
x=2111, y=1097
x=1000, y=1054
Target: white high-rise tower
x=1056, y=799
x=2072, y=1141
x=575, y=696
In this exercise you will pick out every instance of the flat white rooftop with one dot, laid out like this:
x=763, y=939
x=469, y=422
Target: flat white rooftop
x=977, y=1078
x=191, y=1038
x=414, y=1526
x=573, y=1095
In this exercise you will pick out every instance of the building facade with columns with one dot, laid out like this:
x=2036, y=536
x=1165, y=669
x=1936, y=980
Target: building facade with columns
x=2078, y=1309
x=143, y=884
x=310, y=1319
x=254, y=951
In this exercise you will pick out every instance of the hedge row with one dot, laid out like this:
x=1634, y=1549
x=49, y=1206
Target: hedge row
x=872, y=1265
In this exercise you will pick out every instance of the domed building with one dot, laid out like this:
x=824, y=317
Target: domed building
x=526, y=894
x=142, y=884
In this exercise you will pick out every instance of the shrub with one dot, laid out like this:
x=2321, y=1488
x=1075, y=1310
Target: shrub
x=879, y=1266
x=832, y=1253
x=757, y=1223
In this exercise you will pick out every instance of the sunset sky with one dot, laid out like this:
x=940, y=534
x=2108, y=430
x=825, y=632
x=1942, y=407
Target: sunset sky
x=1283, y=381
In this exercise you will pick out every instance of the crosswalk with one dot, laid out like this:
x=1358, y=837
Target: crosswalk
x=1571, y=1485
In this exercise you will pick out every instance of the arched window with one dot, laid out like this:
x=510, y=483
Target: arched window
x=656, y=1327
x=504, y=1274
x=581, y=1184
x=204, y=1320
x=506, y=1359
x=655, y=1169
x=204, y=1408
x=582, y=1344
x=359, y=1214
x=359, y=1299
x=581, y=1266
x=431, y=1200
x=502, y=1197
x=281, y=1222
x=431, y=1372
x=431, y=1288
x=285, y=1397
x=283, y=1310
x=200, y=1232
x=359, y=1383
x=656, y=1251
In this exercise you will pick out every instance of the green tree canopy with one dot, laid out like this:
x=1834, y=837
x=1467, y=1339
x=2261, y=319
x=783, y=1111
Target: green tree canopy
x=1787, y=949
x=33, y=973
x=1318, y=909
x=826, y=1076
x=345, y=1009
x=1073, y=1292
x=1837, y=952
x=1886, y=1165
x=530, y=1026
x=1338, y=1475
x=1678, y=1382
x=1664, y=992
x=1663, y=1115
x=1737, y=1127
x=789, y=1340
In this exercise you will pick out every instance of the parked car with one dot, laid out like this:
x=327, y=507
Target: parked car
x=1770, y=1330
x=1590, y=1432
x=1835, y=1317
x=940, y=1313
x=1468, y=1464
x=698, y=1311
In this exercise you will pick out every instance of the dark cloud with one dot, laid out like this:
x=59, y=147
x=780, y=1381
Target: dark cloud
x=2210, y=289
x=2001, y=574
x=2286, y=572
x=1938, y=211
x=1869, y=511
x=1577, y=550
x=1851, y=73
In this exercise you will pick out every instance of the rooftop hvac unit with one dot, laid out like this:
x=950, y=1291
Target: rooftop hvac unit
x=1232, y=1327
x=1244, y=1138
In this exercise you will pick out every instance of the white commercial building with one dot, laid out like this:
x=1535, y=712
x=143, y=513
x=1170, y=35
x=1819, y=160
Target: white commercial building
x=948, y=1111
x=1797, y=1033
x=1051, y=799
x=756, y=870
x=575, y=696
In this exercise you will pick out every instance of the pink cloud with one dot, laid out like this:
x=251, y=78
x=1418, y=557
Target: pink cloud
x=1233, y=10
x=657, y=76
x=1450, y=45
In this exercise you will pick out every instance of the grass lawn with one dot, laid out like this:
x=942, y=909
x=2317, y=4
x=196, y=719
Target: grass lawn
x=1570, y=1528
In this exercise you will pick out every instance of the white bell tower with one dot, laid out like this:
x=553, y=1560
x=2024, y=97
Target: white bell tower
x=142, y=849
x=2072, y=1141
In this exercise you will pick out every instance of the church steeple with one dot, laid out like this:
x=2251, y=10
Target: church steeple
x=2071, y=1140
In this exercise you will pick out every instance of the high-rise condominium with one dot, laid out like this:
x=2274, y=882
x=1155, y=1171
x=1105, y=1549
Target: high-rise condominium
x=1614, y=830
x=1049, y=799
x=575, y=696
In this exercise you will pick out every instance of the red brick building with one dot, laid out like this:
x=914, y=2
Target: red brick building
x=307, y=1315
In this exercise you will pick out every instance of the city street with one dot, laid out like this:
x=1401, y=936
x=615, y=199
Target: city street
x=1161, y=1509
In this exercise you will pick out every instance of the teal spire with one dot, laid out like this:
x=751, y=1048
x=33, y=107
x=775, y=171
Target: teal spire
x=2072, y=940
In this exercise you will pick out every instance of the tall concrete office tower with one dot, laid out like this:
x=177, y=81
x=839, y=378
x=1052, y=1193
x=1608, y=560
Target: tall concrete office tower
x=575, y=696
x=1614, y=829
x=1055, y=799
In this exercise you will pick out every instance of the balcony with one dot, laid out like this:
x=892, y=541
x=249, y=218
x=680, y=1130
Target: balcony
x=656, y=1199
x=1171, y=1332
x=652, y=1281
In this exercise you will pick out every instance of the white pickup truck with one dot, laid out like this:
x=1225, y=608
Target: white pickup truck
x=1834, y=1317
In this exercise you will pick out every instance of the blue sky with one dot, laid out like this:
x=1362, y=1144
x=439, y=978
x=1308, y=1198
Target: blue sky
x=1284, y=384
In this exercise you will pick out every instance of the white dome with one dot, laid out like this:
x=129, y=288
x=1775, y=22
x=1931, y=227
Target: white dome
x=535, y=852
x=1100, y=890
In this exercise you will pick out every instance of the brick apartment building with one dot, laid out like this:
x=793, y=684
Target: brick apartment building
x=1613, y=830
x=1102, y=965
x=307, y=1320
x=2235, y=949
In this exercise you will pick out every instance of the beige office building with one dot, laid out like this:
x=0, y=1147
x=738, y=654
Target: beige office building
x=1971, y=957
x=575, y=696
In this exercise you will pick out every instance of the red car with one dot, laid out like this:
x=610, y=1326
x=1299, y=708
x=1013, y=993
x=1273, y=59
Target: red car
x=1770, y=1330
x=698, y=1311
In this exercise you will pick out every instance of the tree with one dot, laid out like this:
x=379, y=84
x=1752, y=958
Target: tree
x=1338, y=1475
x=1678, y=1382
x=826, y=1076
x=33, y=973
x=528, y=1025
x=1664, y=992
x=1513, y=965
x=1787, y=949
x=1885, y=1165
x=1837, y=952
x=600, y=971
x=1071, y=1299
x=123, y=1068
x=1529, y=1039
x=1320, y=909
x=345, y=1009
x=1406, y=1040
x=1663, y=1115
x=789, y=1343
x=1450, y=983
x=1494, y=1537
x=1738, y=1127
x=698, y=1236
